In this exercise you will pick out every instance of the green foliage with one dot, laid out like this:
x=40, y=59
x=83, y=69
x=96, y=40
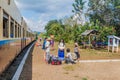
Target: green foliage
x=103, y=15
x=104, y=32
x=84, y=78
x=78, y=6
x=106, y=12
x=72, y=33
x=43, y=35
x=48, y=26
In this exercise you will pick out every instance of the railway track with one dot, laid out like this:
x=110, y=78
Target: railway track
x=13, y=71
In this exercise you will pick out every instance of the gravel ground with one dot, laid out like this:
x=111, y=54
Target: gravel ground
x=36, y=69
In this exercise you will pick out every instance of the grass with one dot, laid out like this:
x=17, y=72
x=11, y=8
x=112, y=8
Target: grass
x=84, y=78
x=98, y=54
x=69, y=67
x=89, y=54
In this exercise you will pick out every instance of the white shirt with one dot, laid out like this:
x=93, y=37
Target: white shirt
x=61, y=45
x=69, y=55
x=47, y=46
x=76, y=49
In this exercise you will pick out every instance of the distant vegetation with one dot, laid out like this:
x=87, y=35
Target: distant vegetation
x=102, y=15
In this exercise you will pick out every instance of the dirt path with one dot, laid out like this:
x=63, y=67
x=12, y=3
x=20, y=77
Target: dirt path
x=37, y=69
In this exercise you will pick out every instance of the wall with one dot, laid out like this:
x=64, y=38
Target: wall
x=11, y=9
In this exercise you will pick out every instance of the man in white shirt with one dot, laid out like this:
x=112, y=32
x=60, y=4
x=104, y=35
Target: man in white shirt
x=47, y=49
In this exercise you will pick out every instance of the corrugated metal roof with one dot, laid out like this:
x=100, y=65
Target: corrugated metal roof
x=87, y=32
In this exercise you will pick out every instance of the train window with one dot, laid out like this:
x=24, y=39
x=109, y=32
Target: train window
x=23, y=33
x=5, y=27
x=15, y=31
x=27, y=33
x=9, y=2
x=12, y=30
x=20, y=31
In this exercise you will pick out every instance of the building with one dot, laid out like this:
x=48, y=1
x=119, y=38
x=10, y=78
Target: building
x=12, y=24
x=113, y=43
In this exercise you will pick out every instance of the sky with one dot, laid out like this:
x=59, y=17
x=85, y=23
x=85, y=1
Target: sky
x=38, y=12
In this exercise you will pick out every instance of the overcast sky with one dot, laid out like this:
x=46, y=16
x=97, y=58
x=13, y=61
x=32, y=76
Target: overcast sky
x=38, y=12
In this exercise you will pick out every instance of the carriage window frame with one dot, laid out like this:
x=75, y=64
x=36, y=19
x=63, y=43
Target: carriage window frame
x=9, y=2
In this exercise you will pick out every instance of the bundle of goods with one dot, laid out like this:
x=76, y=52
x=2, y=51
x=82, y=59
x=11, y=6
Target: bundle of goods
x=54, y=60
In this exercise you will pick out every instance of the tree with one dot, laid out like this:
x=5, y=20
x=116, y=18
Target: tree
x=106, y=12
x=116, y=21
x=100, y=10
x=48, y=26
x=78, y=6
x=56, y=28
x=103, y=16
x=79, y=11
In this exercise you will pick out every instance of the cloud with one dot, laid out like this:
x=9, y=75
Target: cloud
x=39, y=12
x=36, y=26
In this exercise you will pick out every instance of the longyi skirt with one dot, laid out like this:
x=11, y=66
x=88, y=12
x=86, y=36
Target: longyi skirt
x=61, y=54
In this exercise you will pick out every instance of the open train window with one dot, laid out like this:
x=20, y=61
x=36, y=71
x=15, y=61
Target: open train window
x=23, y=32
x=5, y=27
x=16, y=31
x=20, y=31
x=12, y=30
x=8, y=2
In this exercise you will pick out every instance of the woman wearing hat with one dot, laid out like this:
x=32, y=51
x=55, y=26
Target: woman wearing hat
x=76, y=51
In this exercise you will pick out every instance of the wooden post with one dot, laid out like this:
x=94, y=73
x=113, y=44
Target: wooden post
x=108, y=44
x=89, y=41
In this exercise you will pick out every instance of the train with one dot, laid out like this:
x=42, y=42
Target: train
x=14, y=33
x=10, y=48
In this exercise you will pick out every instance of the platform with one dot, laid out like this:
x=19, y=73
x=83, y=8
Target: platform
x=36, y=69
